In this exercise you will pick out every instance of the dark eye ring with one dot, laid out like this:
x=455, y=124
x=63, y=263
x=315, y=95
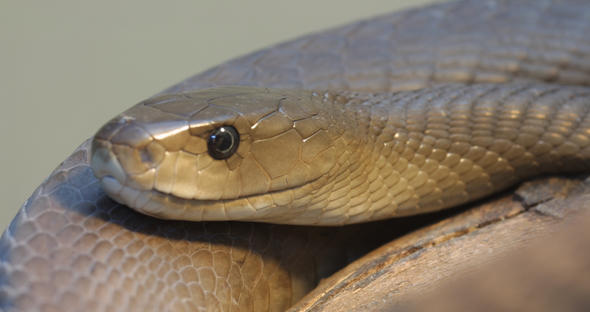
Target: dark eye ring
x=223, y=142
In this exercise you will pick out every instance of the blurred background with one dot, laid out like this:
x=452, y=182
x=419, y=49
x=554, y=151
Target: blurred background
x=67, y=66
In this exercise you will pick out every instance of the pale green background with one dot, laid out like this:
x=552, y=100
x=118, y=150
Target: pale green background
x=67, y=66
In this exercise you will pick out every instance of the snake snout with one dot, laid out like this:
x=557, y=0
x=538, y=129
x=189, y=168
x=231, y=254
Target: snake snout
x=123, y=156
x=106, y=167
x=104, y=163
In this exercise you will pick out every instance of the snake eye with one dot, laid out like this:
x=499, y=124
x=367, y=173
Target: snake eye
x=223, y=142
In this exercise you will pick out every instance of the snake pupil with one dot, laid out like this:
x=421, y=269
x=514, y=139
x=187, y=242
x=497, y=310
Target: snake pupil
x=223, y=142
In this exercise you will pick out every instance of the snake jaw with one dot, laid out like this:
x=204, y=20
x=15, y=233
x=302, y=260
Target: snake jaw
x=114, y=180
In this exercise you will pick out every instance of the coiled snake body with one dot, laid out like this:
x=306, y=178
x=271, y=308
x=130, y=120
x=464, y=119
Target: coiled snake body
x=403, y=114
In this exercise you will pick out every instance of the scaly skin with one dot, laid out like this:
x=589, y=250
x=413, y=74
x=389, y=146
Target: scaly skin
x=327, y=158
x=71, y=248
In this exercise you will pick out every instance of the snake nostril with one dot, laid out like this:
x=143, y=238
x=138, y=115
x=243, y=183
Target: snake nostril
x=145, y=156
x=152, y=154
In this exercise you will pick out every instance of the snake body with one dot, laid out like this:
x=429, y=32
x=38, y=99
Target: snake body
x=507, y=114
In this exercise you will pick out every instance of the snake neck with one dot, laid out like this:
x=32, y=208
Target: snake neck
x=414, y=152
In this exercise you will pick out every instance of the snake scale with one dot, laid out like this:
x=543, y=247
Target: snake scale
x=405, y=113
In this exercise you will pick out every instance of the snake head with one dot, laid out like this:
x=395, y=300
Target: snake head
x=229, y=153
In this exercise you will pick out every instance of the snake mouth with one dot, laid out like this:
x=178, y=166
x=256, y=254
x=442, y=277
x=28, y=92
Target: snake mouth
x=119, y=186
x=166, y=206
x=113, y=179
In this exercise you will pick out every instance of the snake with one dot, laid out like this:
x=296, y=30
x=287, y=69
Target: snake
x=406, y=113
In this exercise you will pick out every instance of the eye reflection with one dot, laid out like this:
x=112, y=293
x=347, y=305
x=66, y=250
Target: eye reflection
x=223, y=142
